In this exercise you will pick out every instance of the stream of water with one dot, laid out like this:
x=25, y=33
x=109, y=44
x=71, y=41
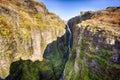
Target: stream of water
x=69, y=38
x=69, y=49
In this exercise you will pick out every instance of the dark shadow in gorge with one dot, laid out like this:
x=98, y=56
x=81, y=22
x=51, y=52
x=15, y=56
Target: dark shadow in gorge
x=55, y=56
x=28, y=70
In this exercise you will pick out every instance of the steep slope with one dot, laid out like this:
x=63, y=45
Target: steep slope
x=35, y=43
x=30, y=46
x=95, y=51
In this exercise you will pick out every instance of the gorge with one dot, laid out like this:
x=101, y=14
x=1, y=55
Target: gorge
x=68, y=32
x=36, y=44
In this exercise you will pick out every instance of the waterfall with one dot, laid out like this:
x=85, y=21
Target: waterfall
x=69, y=36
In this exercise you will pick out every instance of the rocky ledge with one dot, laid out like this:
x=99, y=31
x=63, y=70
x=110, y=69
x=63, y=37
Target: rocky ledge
x=96, y=46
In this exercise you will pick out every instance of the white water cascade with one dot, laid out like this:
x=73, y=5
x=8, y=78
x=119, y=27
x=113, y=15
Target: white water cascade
x=69, y=34
x=69, y=38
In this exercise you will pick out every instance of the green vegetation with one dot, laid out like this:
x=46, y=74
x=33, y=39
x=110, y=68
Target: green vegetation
x=22, y=24
x=93, y=61
x=48, y=69
x=5, y=29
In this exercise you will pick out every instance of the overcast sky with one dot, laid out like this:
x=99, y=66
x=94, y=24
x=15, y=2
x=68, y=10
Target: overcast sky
x=69, y=8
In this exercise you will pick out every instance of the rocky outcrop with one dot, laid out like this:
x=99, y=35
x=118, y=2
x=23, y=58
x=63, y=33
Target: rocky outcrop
x=95, y=47
x=35, y=45
x=27, y=29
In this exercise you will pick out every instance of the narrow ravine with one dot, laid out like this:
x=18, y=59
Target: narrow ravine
x=69, y=35
x=69, y=38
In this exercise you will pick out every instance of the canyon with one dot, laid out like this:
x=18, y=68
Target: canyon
x=36, y=44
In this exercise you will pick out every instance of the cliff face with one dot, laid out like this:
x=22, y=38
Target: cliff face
x=95, y=51
x=35, y=45
x=27, y=31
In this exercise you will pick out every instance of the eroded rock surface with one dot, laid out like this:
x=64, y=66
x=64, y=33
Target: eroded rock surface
x=95, y=48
